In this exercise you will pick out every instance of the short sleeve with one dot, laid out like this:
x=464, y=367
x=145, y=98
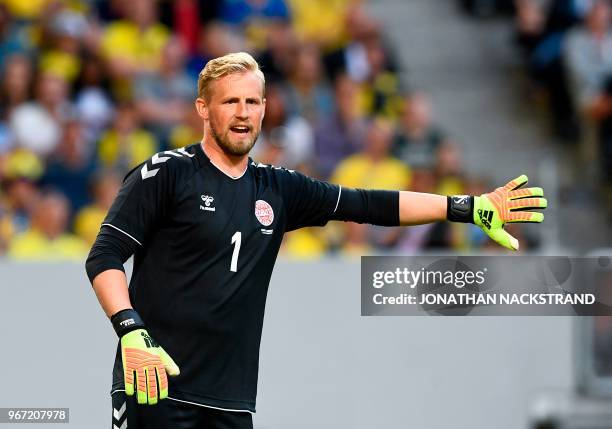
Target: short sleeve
x=309, y=202
x=144, y=199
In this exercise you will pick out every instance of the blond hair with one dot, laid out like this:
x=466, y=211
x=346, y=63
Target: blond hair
x=237, y=62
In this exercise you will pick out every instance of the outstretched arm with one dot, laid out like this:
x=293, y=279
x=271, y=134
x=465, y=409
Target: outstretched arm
x=310, y=202
x=489, y=211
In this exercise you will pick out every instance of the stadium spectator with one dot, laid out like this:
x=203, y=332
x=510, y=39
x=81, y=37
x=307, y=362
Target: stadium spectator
x=241, y=12
x=589, y=59
x=290, y=137
x=134, y=44
x=351, y=57
x=126, y=144
x=321, y=21
x=546, y=64
x=449, y=169
x=417, y=139
x=380, y=96
x=16, y=84
x=19, y=173
x=186, y=16
x=371, y=168
x=252, y=17
x=529, y=24
x=13, y=38
x=87, y=221
x=277, y=57
x=62, y=45
x=165, y=95
x=341, y=134
x=307, y=91
x=36, y=125
x=588, y=53
x=374, y=167
x=92, y=101
x=24, y=11
x=70, y=166
x=187, y=132
x=6, y=228
x=215, y=39
x=47, y=238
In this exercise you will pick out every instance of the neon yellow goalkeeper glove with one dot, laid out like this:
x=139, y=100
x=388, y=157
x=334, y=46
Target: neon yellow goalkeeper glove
x=507, y=204
x=145, y=362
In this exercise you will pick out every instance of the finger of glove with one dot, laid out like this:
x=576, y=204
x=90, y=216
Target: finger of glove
x=516, y=183
x=516, y=217
x=526, y=192
x=128, y=371
x=151, y=385
x=502, y=237
x=128, y=381
x=528, y=203
x=162, y=381
x=169, y=364
x=141, y=386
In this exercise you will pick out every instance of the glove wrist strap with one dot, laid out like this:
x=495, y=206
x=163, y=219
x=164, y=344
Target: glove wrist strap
x=460, y=208
x=126, y=321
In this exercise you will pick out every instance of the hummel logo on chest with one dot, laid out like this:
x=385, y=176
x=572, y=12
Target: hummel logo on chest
x=208, y=201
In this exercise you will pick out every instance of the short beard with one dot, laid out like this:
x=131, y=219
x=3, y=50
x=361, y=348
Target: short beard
x=229, y=148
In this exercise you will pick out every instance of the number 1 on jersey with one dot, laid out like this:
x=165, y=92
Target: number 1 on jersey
x=236, y=241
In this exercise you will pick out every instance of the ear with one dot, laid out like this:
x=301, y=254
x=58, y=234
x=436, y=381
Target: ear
x=264, y=109
x=202, y=108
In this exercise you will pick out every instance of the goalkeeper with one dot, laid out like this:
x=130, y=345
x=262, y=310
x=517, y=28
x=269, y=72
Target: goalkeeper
x=205, y=224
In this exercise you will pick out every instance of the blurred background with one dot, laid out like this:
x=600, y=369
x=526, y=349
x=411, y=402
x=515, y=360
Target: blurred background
x=445, y=96
x=438, y=96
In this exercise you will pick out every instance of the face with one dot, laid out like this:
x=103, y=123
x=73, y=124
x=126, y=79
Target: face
x=418, y=111
x=233, y=114
x=51, y=216
x=52, y=89
x=599, y=17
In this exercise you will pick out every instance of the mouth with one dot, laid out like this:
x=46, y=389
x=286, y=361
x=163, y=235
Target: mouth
x=240, y=129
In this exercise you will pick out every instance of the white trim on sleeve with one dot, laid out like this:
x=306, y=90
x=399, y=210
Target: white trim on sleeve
x=338, y=202
x=120, y=230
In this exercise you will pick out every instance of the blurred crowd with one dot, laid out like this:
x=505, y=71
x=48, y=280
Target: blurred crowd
x=567, y=50
x=89, y=89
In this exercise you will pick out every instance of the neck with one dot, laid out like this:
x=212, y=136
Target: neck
x=233, y=166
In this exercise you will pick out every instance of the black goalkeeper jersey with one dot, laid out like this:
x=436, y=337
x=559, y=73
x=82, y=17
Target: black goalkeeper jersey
x=207, y=244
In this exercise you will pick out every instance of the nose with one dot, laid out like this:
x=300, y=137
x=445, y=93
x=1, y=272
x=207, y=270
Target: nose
x=242, y=110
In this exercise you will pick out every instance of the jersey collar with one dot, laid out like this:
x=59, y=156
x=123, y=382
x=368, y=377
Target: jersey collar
x=203, y=160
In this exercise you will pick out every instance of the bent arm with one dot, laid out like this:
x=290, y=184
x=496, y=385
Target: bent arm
x=111, y=289
x=105, y=269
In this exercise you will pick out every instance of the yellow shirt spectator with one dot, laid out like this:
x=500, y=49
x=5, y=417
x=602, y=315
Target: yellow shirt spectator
x=304, y=243
x=34, y=246
x=320, y=20
x=124, y=40
x=60, y=63
x=87, y=223
x=359, y=171
x=128, y=151
x=28, y=9
x=183, y=135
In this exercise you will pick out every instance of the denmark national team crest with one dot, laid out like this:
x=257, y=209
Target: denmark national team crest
x=264, y=212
